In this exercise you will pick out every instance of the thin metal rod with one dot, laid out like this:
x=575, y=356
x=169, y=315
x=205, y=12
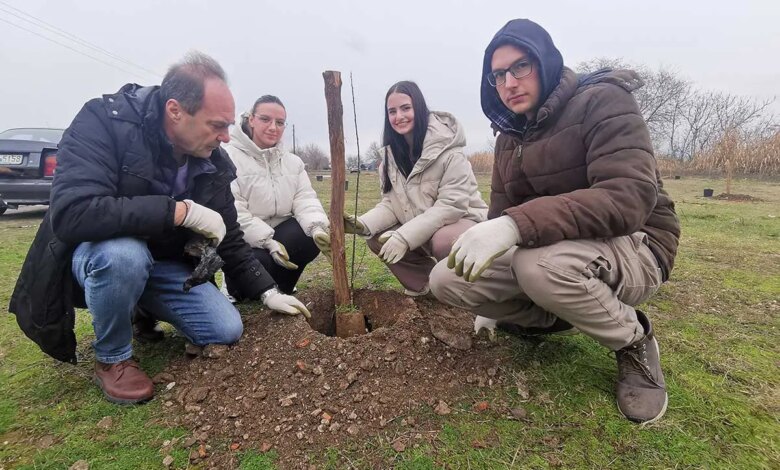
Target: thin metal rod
x=357, y=187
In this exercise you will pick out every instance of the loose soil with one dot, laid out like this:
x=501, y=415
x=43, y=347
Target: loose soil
x=737, y=197
x=289, y=388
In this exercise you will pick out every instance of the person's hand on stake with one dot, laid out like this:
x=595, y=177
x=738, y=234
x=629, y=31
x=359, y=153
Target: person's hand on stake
x=322, y=240
x=353, y=224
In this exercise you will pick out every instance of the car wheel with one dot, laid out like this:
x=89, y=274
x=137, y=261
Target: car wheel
x=3, y=209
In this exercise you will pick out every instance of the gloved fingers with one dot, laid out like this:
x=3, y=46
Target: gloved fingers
x=384, y=237
x=283, y=251
x=287, y=309
x=322, y=240
x=451, y=258
x=467, y=269
x=289, y=305
x=456, y=247
x=302, y=309
x=486, y=264
x=283, y=261
x=383, y=251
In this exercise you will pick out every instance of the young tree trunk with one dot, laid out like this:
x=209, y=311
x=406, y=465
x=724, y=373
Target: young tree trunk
x=348, y=322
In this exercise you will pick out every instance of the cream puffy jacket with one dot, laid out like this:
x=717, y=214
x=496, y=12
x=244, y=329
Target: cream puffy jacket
x=440, y=190
x=271, y=186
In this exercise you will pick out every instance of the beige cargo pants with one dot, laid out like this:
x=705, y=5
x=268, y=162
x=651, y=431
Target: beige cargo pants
x=592, y=284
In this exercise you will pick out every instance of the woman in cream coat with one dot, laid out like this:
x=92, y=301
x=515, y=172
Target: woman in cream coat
x=429, y=191
x=278, y=210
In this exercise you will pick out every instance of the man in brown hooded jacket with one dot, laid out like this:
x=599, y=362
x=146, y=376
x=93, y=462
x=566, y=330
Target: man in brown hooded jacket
x=580, y=228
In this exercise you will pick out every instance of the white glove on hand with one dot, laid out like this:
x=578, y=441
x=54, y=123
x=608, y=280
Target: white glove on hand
x=279, y=254
x=477, y=247
x=353, y=224
x=322, y=240
x=487, y=323
x=283, y=303
x=394, y=247
x=202, y=220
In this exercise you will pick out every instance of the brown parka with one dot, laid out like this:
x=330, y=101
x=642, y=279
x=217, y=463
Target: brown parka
x=585, y=169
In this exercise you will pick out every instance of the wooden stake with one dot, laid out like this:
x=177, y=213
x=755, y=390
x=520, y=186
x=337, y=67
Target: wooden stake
x=348, y=323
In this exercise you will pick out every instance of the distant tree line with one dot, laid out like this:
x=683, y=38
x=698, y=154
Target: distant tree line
x=685, y=121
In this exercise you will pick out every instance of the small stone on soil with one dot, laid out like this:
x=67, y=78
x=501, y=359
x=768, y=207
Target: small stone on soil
x=442, y=408
x=519, y=413
x=214, y=351
x=105, y=423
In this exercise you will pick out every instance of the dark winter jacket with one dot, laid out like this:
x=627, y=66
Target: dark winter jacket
x=108, y=185
x=584, y=167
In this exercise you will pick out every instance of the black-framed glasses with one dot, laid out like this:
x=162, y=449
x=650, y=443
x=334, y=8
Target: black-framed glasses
x=280, y=123
x=520, y=69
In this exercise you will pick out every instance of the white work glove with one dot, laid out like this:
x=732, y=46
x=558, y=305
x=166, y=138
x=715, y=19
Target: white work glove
x=279, y=254
x=322, y=240
x=477, y=247
x=487, y=323
x=283, y=303
x=202, y=220
x=353, y=224
x=394, y=247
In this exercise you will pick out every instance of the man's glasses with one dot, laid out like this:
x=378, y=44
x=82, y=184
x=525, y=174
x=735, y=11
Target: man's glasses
x=267, y=120
x=520, y=69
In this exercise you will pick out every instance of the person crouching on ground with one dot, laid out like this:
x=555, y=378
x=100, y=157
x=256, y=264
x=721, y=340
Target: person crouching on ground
x=139, y=173
x=581, y=229
x=429, y=191
x=279, y=212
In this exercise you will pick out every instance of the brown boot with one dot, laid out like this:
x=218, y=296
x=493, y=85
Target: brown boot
x=123, y=382
x=641, y=390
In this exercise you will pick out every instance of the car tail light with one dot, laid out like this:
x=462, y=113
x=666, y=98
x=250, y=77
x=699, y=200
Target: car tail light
x=49, y=165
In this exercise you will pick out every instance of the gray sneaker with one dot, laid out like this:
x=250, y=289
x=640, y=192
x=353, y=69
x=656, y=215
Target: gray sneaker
x=641, y=390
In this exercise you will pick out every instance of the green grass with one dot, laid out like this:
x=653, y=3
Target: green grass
x=716, y=319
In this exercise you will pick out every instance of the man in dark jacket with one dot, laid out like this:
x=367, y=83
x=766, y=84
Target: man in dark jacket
x=580, y=228
x=139, y=173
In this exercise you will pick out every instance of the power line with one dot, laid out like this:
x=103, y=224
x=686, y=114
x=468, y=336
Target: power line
x=69, y=36
x=71, y=48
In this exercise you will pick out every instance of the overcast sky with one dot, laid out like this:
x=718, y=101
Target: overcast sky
x=282, y=47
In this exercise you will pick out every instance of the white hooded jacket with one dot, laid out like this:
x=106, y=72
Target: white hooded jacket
x=271, y=187
x=440, y=190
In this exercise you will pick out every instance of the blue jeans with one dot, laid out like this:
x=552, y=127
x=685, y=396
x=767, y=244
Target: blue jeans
x=120, y=273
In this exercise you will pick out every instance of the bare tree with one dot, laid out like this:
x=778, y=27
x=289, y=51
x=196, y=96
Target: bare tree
x=683, y=121
x=373, y=155
x=314, y=157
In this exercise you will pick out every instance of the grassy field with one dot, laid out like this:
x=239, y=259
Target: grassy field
x=716, y=320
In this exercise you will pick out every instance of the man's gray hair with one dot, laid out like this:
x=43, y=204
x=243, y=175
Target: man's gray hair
x=185, y=80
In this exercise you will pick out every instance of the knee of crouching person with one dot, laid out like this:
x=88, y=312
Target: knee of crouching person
x=440, y=283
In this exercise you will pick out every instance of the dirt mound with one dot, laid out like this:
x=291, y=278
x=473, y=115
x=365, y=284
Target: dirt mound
x=737, y=197
x=287, y=387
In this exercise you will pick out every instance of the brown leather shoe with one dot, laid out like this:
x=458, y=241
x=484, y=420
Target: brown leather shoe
x=123, y=382
x=641, y=389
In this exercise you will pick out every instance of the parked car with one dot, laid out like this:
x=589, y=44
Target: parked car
x=28, y=159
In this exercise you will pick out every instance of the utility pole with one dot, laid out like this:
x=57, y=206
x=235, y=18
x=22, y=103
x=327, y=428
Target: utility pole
x=294, y=140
